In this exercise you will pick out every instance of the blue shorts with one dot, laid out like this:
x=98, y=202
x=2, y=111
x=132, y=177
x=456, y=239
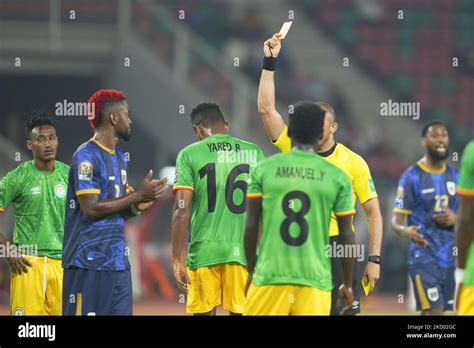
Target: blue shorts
x=90, y=292
x=433, y=286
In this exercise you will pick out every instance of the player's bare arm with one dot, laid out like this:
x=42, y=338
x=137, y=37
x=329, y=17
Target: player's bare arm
x=399, y=226
x=149, y=190
x=273, y=121
x=17, y=262
x=254, y=212
x=346, y=237
x=375, y=229
x=179, y=229
x=464, y=238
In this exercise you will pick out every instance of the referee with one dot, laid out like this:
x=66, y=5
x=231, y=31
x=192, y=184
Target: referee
x=351, y=163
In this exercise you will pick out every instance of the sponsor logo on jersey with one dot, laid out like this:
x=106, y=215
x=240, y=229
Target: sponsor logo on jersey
x=176, y=175
x=36, y=190
x=85, y=171
x=451, y=187
x=399, y=197
x=399, y=203
x=60, y=190
x=400, y=192
x=371, y=185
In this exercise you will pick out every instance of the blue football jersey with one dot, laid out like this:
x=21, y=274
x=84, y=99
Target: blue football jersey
x=98, y=244
x=421, y=194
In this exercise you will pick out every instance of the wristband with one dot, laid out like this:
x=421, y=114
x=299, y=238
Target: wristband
x=134, y=210
x=459, y=275
x=269, y=63
x=375, y=259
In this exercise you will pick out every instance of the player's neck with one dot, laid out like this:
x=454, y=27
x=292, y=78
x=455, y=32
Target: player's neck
x=106, y=139
x=47, y=166
x=327, y=146
x=304, y=147
x=433, y=164
x=217, y=130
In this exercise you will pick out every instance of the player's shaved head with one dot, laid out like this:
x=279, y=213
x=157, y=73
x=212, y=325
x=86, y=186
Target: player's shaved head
x=306, y=122
x=328, y=109
x=207, y=115
x=431, y=125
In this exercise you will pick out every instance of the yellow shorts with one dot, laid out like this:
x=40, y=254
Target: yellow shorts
x=287, y=300
x=38, y=292
x=212, y=285
x=466, y=300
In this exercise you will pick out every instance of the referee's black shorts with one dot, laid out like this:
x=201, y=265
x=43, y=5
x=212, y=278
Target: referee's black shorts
x=337, y=280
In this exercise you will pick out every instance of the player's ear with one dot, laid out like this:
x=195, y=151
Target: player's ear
x=334, y=127
x=113, y=119
x=226, y=126
x=198, y=131
x=423, y=142
x=28, y=144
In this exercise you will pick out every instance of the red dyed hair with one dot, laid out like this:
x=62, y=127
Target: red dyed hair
x=99, y=99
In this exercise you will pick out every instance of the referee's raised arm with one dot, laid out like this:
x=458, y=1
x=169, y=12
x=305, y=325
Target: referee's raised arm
x=274, y=123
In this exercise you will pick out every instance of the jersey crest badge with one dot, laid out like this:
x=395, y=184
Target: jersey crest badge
x=433, y=294
x=60, y=191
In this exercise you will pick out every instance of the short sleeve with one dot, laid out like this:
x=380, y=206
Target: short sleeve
x=404, y=201
x=255, y=183
x=283, y=143
x=364, y=187
x=184, y=177
x=466, y=177
x=86, y=172
x=344, y=205
x=260, y=155
x=8, y=189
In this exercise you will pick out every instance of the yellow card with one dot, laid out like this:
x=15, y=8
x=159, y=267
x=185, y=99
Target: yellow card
x=365, y=286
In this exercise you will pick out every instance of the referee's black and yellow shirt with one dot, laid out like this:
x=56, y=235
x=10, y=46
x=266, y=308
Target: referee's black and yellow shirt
x=351, y=163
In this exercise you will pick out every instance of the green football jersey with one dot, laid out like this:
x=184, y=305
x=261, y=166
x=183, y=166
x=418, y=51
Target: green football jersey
x=39, y=203
x=299, y=190
x=217, y=170
x=466, y=188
